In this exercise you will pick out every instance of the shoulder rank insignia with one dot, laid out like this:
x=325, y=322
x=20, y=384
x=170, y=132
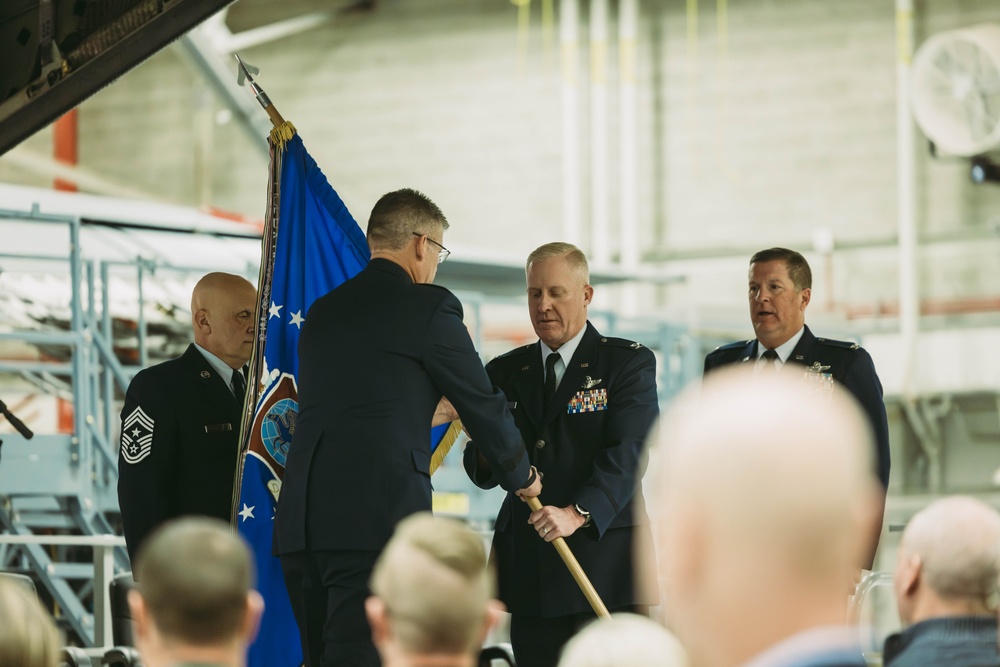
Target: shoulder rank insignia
x=635, y=346
x=846, y=344
x=590, y=383
x=137, y=436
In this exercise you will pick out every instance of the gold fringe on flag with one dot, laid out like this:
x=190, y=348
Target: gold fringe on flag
x=282, y=133
x=450, y=436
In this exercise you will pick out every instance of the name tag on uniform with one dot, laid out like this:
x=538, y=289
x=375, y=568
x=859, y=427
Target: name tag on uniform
x=218, y=428
x=589, y=400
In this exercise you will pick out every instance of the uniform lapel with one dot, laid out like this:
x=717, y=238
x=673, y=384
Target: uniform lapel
x=213, y=388
x=529, y=385
x=805, y=349
x=583, y=363
x=749, y=352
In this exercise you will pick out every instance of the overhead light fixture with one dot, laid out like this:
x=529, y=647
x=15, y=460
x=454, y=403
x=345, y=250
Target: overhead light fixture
x=984, y=171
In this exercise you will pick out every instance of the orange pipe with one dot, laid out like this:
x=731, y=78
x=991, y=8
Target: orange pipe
x=65, y=145
x=962, y=306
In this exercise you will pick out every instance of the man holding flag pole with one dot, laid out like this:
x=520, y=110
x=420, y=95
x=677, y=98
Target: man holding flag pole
x=352, y=455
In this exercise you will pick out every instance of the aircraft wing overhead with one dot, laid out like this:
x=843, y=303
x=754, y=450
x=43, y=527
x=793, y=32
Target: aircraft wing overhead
x=57, y=53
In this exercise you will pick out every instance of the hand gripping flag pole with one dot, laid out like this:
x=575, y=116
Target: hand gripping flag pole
x=573, y=565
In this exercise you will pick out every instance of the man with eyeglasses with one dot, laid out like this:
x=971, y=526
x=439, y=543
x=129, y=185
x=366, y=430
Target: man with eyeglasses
x=377, y=356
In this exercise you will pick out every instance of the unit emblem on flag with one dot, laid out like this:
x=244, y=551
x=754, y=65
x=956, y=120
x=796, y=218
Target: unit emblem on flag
x=278, y=428
x=274, y=424
x=137, y=436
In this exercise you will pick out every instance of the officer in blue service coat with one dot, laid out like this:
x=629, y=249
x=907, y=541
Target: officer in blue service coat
x=181, y=418
x=376, y=356
x=584, y=404
x=780, y=286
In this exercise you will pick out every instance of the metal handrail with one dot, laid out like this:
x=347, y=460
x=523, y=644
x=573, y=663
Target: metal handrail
x=104, y=571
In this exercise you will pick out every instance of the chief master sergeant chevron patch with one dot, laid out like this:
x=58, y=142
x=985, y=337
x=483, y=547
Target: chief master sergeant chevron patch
x=137, y=436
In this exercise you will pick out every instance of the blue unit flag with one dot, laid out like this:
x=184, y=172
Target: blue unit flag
x=311, y=245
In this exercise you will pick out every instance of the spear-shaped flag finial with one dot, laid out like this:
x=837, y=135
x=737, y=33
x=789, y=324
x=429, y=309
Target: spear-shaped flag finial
x=244, y=73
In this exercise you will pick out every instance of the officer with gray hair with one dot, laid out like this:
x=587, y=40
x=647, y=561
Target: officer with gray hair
x=946, y=587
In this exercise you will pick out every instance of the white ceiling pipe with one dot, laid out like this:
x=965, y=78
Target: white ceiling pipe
x=628, y=20
x=569, y=20
x=909, y=297
x=600, y=214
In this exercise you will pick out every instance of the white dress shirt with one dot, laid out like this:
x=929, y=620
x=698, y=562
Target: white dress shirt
x=565, y=352
x=784, y=350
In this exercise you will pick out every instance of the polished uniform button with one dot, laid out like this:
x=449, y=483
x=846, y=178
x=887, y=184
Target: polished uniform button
x=539, y=444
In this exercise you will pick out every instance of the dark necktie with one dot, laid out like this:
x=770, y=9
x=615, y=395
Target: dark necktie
x=239, y=384
x=550, y=375
x=770, y=358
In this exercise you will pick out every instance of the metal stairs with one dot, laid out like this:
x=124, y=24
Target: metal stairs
x=58, y=492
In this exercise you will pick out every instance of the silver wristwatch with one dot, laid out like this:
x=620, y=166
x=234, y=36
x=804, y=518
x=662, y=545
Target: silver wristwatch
x=584, y=513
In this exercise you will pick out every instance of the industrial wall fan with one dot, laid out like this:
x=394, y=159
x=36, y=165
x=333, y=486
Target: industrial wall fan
x=956, y=90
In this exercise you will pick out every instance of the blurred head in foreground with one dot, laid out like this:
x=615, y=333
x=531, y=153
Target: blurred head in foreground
x=194, y=600
x=624, y=640
x=28, y=637
x=765, y=504
x=432, y=593
x=949, y=561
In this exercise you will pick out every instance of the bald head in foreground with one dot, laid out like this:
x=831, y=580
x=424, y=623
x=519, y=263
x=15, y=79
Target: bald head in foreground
x=432, y=601
x=766, y=503
x=624, y=640
x=946, y=587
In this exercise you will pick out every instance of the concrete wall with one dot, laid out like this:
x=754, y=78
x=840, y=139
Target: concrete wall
x=758, y=128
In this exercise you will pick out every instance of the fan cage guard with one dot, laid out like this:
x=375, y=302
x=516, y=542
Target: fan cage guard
x=955, y=87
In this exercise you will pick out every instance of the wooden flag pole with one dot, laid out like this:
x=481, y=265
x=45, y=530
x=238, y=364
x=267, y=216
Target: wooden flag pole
x=574, y=568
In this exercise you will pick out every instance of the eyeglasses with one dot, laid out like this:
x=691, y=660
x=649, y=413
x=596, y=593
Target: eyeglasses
x=442, y=254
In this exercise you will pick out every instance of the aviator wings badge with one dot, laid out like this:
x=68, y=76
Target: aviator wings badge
x=590, y=383
x=817, y=367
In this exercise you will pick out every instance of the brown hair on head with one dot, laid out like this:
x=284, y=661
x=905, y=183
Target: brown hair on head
x=397, y=215
x=798, y=267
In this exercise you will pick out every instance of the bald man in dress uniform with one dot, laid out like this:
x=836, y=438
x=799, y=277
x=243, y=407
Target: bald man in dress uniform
x=181, y=418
